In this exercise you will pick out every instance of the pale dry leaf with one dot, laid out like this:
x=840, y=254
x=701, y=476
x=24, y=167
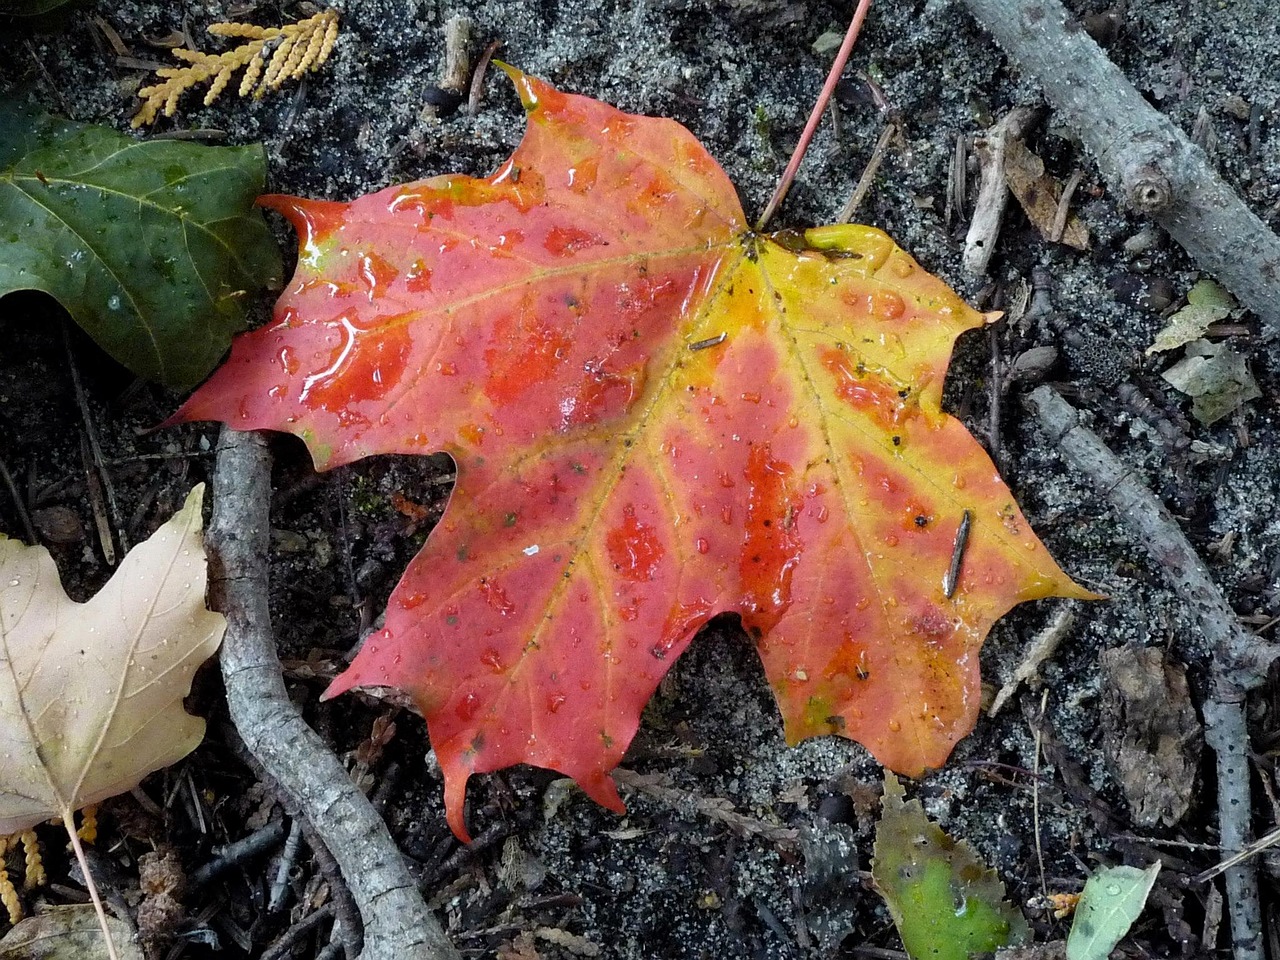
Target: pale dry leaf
x=91, y=694
x=1039, y=195
x=1216, y=377
x=1207, y=303
x=66, y=933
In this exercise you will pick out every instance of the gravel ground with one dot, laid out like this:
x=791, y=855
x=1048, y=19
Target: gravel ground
x=668, y=880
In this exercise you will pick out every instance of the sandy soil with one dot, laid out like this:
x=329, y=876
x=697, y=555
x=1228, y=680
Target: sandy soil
x=667, y=880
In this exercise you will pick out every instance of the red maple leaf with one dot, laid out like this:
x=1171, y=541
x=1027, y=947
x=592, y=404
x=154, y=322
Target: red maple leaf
x=657, y=416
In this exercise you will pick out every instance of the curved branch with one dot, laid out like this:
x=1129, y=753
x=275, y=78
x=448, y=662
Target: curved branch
x=397, y=924
x=1141, y=153
x=1240, y=660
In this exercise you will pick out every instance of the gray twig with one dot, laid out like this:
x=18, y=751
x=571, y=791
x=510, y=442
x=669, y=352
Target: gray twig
x=1143, y=156
x=284, y=945
x=1227, y=734
x=288, y=859
x=226, y=857
x=397, y=924
x=1240, y=659
x=993, y=189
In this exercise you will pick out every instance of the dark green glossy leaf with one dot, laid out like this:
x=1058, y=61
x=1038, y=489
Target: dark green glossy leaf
x=946, y=903
x=30, y=8
x=153, y=247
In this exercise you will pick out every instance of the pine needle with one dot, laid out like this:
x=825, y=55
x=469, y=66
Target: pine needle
x=270, y=56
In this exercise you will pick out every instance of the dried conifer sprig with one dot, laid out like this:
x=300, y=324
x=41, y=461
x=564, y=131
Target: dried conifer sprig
x=34, y=875
x=271, y=56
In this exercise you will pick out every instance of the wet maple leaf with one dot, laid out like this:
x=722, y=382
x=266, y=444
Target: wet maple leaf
x=657, y=416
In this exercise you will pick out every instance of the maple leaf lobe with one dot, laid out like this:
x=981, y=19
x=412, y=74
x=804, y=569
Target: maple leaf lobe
x=656, y=416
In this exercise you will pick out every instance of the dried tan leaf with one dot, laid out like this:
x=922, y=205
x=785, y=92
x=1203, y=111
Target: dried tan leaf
x=66, y=933
x=1039, y=194
x=91, y=694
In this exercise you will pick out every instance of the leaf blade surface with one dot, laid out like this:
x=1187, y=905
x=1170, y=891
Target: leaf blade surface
x=946, y=903
x=91, y=694
x=150, y=246
x=656, y=416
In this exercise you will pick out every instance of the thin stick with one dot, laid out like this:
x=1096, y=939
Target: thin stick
x=1240, y=660
x=1035, y=791
x=868, y=173
x=68, y=821
x=995, y=388
x=815, y=116
x=232, y=854
x=477, y=78
x=95, y=449
x=280, y=885
x=1266, y=840
x=1064, y=206
x=285, y=943
x=397, y=924
x=1240, y=657
x=1141, y=153
x=18, y=503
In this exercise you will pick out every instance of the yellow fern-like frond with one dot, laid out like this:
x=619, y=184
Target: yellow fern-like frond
x=34, y=875
x=8, y=893
x=269, y=57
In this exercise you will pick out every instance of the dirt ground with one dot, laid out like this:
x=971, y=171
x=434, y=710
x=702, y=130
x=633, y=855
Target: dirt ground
x=552, y=874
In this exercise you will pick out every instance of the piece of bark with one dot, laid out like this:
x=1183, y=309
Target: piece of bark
x=1152, y=737
x=1147, y=160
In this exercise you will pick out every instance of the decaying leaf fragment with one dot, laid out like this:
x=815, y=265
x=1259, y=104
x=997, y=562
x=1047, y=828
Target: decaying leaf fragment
x=1151, y=735
x=1207, y=303
x=946, y=903
x=91, y=694
x=1216, y=377
x=1040, y=195
x=67, y=933
x=657, y=416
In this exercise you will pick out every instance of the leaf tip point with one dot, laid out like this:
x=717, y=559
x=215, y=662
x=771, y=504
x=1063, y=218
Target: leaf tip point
x=336, y=688
x=455, y=800
x=526, y=86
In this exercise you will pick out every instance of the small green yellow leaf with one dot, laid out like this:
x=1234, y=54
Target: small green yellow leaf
x=946, y=903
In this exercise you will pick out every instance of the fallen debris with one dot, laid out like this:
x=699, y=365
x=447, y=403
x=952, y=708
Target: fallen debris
x=1042, y=646
x=1152, y=737
x=1207, y=303
x=1144, y=157
x=1041, y=196
x=1241, y=661
x=993, y=188
x=1215, y=377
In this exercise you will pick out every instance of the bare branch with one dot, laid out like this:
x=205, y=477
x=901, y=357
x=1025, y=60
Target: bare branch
x=1145, y=158
x=397, y=924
